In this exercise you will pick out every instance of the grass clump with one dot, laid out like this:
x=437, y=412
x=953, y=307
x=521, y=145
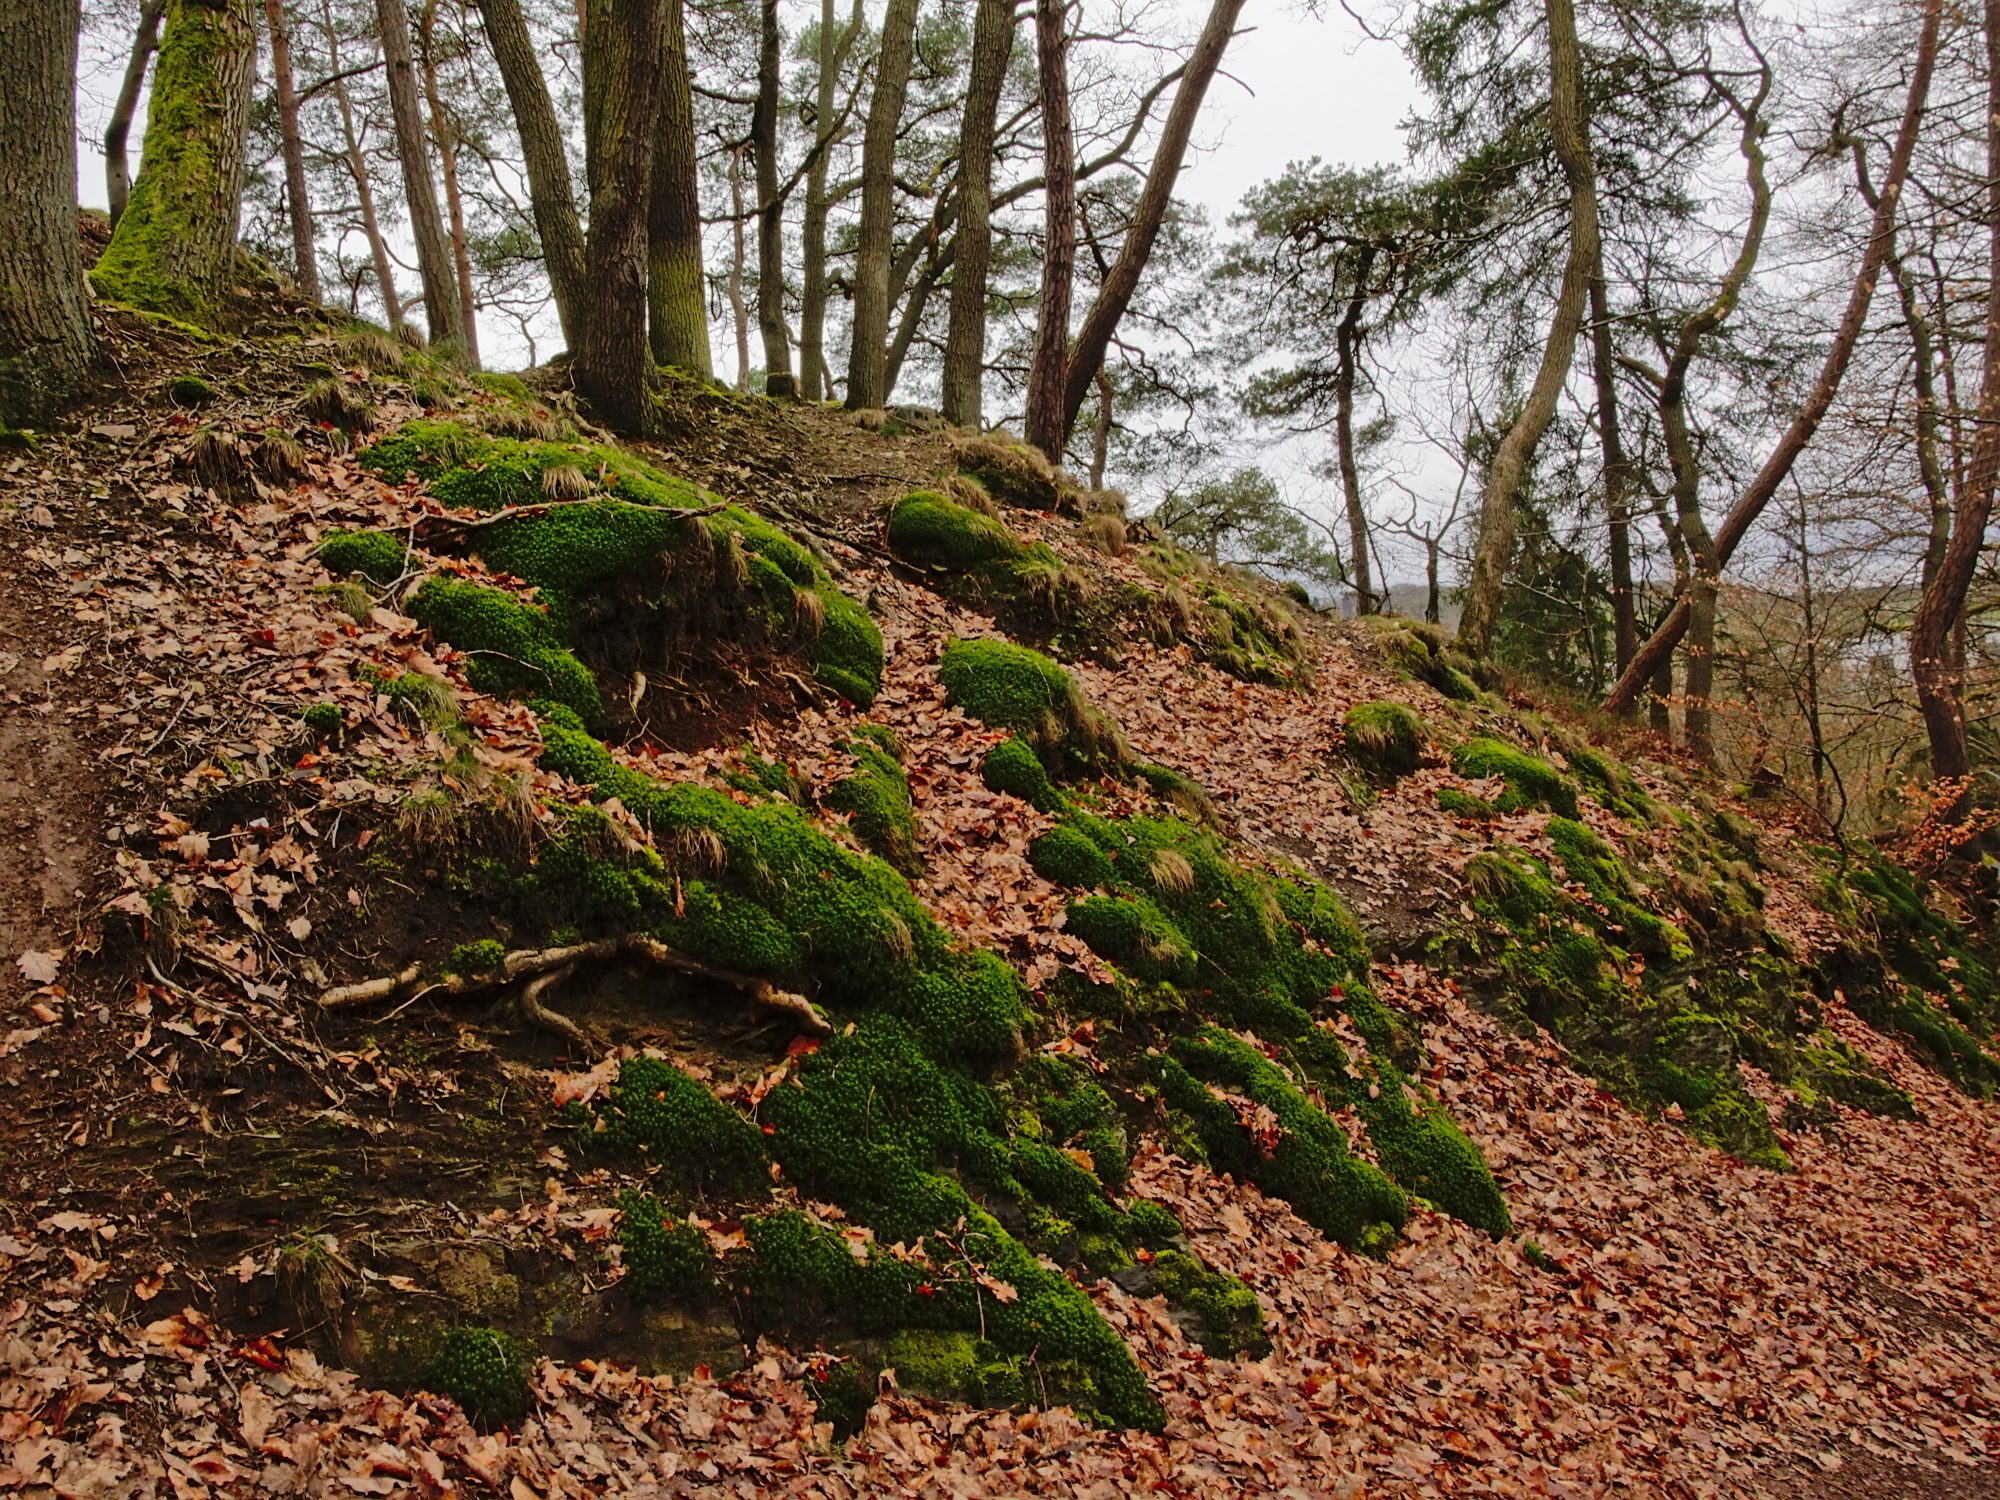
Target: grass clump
x=1014, y=688
x=1385, y=739
x=335, y=403
x=1531, y=782
x=877, y=798
x=484, y=1371
x=1011, y=472
x=375, y=555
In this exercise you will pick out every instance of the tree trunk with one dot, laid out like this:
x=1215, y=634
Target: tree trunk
x=812, y=225
x=1933, y=658
x=965, y=329
x=1100, y=432
x=445, y=134
x=1617, y=472
x=912, y=317
x=441, y=309
x=298, y=204
x=45, y=346
x=621, y=62
x=867, y=356
x=173, y=247
x=551, y=197
x=739, y=310
x=1347, y=350
x=1806, y=421
x=1115, y=294
x=118, y=129
x=357, y=166
x=770, y=209
x=1045, y=425
x=1569, y=134
x=676, y=293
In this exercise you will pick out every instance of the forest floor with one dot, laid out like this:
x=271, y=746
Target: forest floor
x=1663, y=1320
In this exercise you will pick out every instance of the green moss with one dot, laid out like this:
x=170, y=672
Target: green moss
x=511, y=647
x=1299, y=1155
x=1066, y=856
x=1426, y=654
x=658, y=1113
x=1462, y=804
x=484, y=1371
x=665, y=1257
x=1135, y=934
x=376, y=555
x=1011, y=687
x=1385, y=739
x=1829, y=1066
x=1154, y=1223
x=954, y=1365
x=477, y=959
x=190, y=391
x=1530, y=781
x=1595, y=866
x=928, y=529
x=324, y=720
x=1227, y=1316
x=1010, y=471
x=1608, y=782
x=1425, y=1151
x=877, y=798
x=1013, y=767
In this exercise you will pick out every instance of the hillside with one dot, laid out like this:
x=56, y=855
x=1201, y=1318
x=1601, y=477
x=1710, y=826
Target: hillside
x=816, y=957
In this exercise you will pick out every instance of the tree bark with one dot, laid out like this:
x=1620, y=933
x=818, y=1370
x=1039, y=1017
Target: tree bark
x=118, y=129
x=965, y=329
x=1568, y=132
x=739, y=310
x=45, y=345
x=441, y=308
x=770, y=209
x=1100, y=432
x=622, y=60
x=1933, y=659
x=445, y=134
x=676, y=292
x=1116, y=292
x=551, y=197
x=298, y=204
x=868, y=354
x=175, y=243
x=1618, y=474
x=1046, y=426
x=357, y=166
x=1805, y=422
x=1347, y=350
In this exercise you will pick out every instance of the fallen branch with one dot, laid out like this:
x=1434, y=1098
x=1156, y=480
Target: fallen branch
x=527, y=963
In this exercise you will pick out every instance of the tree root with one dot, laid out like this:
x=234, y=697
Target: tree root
x=549, y=966
x=529, y=1004
x=436, y=526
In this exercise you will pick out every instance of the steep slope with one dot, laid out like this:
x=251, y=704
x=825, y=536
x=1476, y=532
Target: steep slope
x=809, y=957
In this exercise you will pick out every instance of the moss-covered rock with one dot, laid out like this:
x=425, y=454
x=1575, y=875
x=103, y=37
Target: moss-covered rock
x=877, y=798
x=1013, y=767
x=1426, y=654
x=1228, y=1320
x=660, y=1114
x=511, y=647
x=928, y=529
x=1014, y=688
x=376, y=555
x=1012, y=472
x=1066, y=856
x=1531, y=782
x=1385, y=739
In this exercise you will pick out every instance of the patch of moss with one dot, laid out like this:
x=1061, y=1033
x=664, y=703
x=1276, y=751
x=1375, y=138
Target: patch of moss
x=1424, y=1151
x=657, y=1113
x=1010, y=471
x=665, y=1257
x=1284, y=1143
x=1227, y=1316
x=1385, y=739
x=1020, y=690
x=1531, y=782
x=323, y=720
x=484, y=1371
x=190, y=391
x=1595, y=866
x=877, y=798
x=1425, y=653
x=956, y=1365
x=1135, y=934
x=1462, y=804
x=1066, y=856
x=932, y=531
x=376, y=555
x=477, y=959
x=511, y=647
x=1013, y=767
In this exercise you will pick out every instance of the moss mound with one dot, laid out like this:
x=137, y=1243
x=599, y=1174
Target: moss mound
x=1531, y=781
x=1012, y=472
x=376, y=555
x=1013, y=767
x=1941, y=993
x=930, y=530
x=877, y=798
x=665, y=1257
x=512, y=647
x=484, y=1371
x=1385, y=739
x=1228, y=1319
x=1014, y=688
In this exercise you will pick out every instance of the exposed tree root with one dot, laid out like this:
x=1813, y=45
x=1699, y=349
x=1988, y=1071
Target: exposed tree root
x=434, y=528
x=529, y=1004
x=549, y=966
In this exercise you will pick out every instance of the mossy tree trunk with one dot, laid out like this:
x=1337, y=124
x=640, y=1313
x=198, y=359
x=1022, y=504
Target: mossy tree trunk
x=173, y=247
x=676, y=292
x=965, y=333
x=623, y=47
x=770, y=208
x=118, y=129
x=44, y=322
x=551, y=198
x=298, y=202
x=1043, y=425
x=1618, y=471
x=1569, y=133
x=868, y=353
x=442, y=314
